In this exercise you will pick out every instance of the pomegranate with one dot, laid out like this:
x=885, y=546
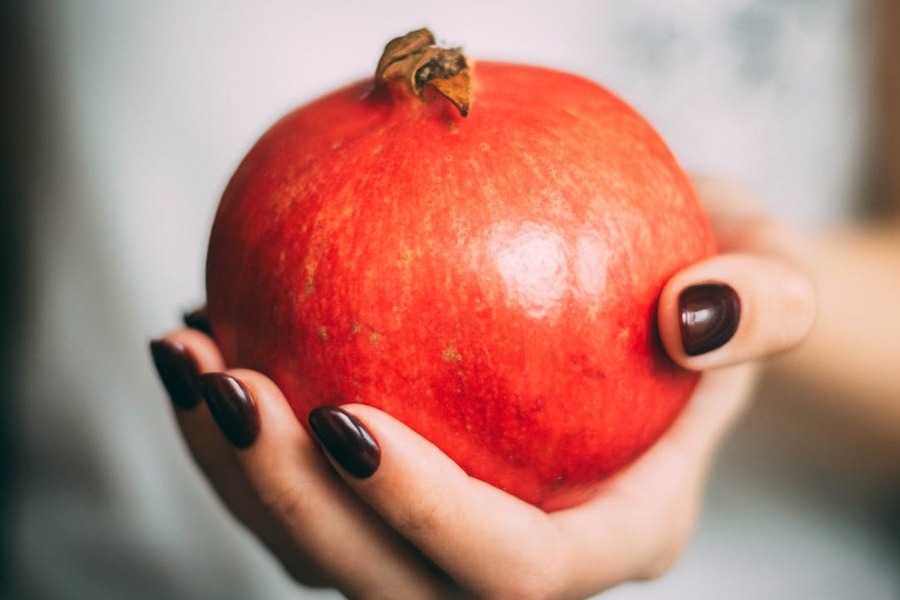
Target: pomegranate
x=477, y=249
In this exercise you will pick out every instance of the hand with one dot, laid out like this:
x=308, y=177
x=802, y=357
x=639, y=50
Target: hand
x=388, y=515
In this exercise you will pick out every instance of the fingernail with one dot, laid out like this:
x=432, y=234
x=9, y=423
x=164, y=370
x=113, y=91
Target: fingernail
x=710, y=314
x=198, y=319
x=178, y=372
x=346, y=439
x=232, y=406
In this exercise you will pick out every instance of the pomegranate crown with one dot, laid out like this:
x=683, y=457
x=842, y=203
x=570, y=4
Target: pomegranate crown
x=415, y=61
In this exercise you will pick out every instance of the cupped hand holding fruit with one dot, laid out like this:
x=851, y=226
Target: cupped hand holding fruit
x=393, y=516
x=418, y=527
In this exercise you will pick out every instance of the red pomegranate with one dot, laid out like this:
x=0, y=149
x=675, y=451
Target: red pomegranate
x=477, y=249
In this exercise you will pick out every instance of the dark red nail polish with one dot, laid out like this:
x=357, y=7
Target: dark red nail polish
x=178, y=372
x=198, y=319
x=710, y=314
x=232, y=406
x=346, y=439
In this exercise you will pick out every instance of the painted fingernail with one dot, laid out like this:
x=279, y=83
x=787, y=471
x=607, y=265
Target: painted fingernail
x=346, y=439
x=198, y=319
x=232, y=406
x=178, y=372
x=710, y=314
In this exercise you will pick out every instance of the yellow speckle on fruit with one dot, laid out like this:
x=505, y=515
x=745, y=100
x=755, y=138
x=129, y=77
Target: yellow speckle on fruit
x=375, y=337
x=323, y=333
x=355, y=327
x=408, y=256
x=309, y=287
x=451, y=354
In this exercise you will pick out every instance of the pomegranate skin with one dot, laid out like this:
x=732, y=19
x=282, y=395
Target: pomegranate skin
x=491, y=281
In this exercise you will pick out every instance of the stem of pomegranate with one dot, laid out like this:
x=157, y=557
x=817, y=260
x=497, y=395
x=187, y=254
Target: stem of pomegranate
x=414, y=61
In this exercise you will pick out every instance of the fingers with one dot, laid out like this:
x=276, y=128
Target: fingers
x=491, y=543
x=405, y=495
x=190, y=354
x=325, y=520
x=496, y=546
x=754, y=300
x=181, y=357
x=267, y=470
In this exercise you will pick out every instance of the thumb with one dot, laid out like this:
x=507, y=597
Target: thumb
x=735, y=308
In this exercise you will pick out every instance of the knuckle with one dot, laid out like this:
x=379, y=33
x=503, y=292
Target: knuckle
x=286, y=487
x=285, y=501
x=803, y=303
x=532, y=579
x=797, y=308
x=427, y=513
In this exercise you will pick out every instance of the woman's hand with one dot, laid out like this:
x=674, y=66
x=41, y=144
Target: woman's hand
x=388, y=515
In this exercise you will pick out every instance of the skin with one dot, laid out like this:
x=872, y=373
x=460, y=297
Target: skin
x=421, y=528
x=849, y=361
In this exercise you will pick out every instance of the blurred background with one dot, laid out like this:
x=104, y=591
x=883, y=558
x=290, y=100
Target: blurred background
x=121, y=123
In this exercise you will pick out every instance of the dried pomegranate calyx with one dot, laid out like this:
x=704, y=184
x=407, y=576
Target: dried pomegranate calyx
x=415, y=60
